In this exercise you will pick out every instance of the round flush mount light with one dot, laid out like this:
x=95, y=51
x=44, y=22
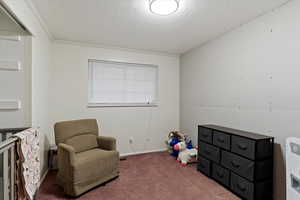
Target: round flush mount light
x=163, y=7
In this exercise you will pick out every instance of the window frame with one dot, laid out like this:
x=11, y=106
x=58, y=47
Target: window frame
x=90, y=85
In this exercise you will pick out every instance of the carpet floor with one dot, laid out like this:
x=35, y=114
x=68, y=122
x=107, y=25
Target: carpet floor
x=153, y=176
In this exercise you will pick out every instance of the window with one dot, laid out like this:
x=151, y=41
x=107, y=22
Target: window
x=122, y=84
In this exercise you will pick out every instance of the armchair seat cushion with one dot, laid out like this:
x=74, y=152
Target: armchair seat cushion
x=93, y=164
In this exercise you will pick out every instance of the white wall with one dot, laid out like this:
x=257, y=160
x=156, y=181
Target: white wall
x=69, y=94
x=40, y=60
x=41, y=64
x=247, y=79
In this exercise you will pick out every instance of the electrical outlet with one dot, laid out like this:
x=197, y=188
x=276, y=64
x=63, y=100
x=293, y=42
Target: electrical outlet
x=148, y=139
x=131, y=140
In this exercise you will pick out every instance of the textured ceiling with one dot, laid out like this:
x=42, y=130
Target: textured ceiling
x=130, y=24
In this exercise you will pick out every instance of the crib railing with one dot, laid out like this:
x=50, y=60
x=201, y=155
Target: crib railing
x=7, y=163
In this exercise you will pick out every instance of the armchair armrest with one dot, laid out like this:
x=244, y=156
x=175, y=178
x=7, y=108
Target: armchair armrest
x=107, y=143
x=66, y=155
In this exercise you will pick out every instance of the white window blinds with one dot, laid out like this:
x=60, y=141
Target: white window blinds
x=115, y=83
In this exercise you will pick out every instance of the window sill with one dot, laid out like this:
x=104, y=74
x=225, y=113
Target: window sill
x=100, y=105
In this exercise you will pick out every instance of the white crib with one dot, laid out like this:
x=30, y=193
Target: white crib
x=7, y=163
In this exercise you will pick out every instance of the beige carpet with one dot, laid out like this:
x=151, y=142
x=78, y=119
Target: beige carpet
x=154, y=176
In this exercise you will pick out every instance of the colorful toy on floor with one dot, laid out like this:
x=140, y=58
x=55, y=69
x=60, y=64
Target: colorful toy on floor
x=174, y=138
x=188, y=142
x=185, y=155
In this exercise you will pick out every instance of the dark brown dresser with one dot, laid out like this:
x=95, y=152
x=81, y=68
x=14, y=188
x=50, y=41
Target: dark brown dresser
x=239, y=160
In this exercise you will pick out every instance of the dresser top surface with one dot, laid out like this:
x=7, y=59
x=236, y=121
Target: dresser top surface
x=241, y=133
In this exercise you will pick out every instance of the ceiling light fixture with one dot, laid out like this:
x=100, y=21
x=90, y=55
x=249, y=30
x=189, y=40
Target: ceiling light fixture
x=163, y=7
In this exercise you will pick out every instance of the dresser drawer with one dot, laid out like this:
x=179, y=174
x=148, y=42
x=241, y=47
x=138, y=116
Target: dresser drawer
x=242, y=187
x=243, y=146
x=220, y=174
x=210, y=152
x=205, y=134
x=239, y=165
x=204, y=166
x=221, y=139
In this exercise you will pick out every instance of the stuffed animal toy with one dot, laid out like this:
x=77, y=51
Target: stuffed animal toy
x=188, y=142
x=185, y=155
x=172, y=143
x=174, y=138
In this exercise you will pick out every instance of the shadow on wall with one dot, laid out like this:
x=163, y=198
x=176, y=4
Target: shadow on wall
x=45, y=151
x=279, y=173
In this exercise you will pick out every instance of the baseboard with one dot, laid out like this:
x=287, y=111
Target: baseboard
x=142, y=152
x=43, y=177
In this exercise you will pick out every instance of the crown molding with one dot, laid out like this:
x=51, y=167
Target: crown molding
x=97, y=45
x=40, y=20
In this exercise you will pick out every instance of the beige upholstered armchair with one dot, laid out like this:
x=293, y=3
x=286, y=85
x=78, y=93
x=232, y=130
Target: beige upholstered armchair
x=85, y=159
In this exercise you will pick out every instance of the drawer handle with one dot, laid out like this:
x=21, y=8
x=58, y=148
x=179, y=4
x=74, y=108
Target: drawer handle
x=220, y=174
x=234, y=164
x=241, y=187
x=242, y=146
x=221, y=139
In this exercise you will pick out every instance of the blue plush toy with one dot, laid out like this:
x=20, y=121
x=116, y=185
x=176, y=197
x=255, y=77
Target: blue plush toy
x=176, y=137
x=172, y=143
x=188, y=142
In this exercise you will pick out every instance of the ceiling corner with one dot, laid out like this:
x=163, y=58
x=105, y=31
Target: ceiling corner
x=39, y=18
